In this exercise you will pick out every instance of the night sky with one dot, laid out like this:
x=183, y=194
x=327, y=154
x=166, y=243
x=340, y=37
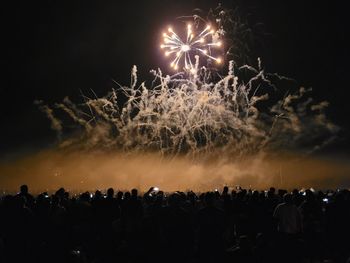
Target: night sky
x=57, y=48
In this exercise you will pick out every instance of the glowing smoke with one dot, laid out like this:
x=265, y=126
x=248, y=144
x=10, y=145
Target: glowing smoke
x=193, y=115
x=187, y=131
x=198, y=112
x=196, y=129
x=81, y=171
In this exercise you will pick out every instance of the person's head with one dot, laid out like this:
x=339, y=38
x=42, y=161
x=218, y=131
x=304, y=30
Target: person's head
x=120, y=195
x=134, y=193
x=255, y=195
x=98, y=194
x=127, y=195
x=24, y=189
x=110, y=192
x=233, y=193
x=85, y=197
x=225, y=191
x=60, y=192
x=309, y=195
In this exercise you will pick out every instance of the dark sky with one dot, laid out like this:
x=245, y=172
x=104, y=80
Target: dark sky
x=56, y=48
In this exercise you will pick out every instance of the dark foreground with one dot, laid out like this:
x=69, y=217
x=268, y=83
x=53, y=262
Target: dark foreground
x=229, y=226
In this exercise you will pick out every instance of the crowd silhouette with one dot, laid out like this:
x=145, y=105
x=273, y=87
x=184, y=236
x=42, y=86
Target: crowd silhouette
x=238, y=225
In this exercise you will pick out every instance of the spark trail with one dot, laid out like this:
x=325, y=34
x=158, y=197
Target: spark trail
x=201, y=116
x=197, y=112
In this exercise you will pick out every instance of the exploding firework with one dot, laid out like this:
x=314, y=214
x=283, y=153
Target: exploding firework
x=196, y=116
x=184, y=50
x=246, y=112
x=229, y=123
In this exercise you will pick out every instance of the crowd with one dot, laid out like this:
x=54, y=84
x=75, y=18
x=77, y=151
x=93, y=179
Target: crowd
x=237, y=225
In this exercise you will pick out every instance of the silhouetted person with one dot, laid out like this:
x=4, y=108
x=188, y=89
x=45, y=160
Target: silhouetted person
x=211, y=229
x=289, y=227
x=288, y=217
x=27, y=197
x=312, y=223
x=111, y=206
x=177, y=227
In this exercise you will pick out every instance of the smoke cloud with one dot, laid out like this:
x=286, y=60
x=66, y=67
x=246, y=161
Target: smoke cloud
x=77, y=171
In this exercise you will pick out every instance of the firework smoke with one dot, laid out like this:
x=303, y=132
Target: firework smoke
x=200, y=113
x=193, y=130
x=189, y=114
x=82, y=170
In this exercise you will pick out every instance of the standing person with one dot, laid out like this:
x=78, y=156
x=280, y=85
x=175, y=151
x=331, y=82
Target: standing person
x=289, y=228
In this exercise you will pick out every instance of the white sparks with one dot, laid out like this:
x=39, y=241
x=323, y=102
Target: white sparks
x=184, y=50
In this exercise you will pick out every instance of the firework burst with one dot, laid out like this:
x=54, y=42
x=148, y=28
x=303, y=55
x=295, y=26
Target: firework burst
x=184, y=49
x=245, y=112
x=199, y=117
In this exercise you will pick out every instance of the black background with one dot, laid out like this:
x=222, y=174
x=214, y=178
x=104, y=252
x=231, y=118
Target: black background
x=54, y=49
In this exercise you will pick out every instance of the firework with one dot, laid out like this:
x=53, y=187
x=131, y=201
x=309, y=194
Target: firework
x=183, y=50
x=200, y=117
x=245, y=112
